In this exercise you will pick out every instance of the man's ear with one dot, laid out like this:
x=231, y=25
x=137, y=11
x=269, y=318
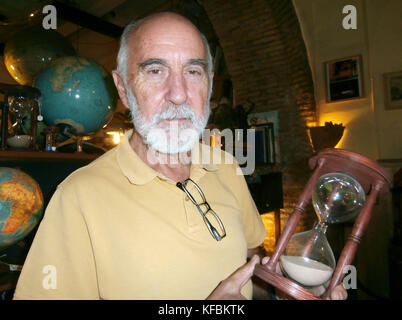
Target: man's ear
x=121, y=89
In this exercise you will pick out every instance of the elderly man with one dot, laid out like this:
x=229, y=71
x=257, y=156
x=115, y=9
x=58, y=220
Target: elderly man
x=134, y=224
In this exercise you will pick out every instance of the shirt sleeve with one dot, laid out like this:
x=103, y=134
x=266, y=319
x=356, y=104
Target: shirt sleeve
x=60, y=263
x=252, y=223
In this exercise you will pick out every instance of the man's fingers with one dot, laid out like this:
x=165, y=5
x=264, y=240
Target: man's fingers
x=339, y=293
x=245, y=272
x=265, y=260
x=231, y=286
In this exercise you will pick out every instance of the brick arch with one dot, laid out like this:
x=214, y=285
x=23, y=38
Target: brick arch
x=267, y=61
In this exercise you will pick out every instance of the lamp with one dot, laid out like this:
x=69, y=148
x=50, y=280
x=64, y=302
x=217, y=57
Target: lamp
x=116, y=128
x=326, y=136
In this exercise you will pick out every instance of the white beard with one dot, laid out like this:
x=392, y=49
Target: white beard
x=172, y=138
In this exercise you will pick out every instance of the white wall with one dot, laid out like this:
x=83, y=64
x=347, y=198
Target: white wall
x=370, y=130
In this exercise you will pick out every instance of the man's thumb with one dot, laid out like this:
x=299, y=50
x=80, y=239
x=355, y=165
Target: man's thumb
x=245, y=272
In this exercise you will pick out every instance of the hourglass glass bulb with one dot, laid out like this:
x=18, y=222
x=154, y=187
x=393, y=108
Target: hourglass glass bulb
x=337, y=197
x=308, y=258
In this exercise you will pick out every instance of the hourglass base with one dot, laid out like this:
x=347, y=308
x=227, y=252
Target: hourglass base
x=283, y=284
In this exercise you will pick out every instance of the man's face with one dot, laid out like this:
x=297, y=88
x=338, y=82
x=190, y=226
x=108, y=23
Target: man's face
x=168, y=79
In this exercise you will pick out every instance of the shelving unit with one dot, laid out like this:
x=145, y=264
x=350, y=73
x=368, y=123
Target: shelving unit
x=10, y=155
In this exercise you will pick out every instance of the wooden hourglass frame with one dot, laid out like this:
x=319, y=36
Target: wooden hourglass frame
x=374, y=180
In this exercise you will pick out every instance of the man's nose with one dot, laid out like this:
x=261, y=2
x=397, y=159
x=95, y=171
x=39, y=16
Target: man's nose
x=177, y=91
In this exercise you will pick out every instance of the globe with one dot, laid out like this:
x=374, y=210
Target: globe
x=78, y=93
x=30, y=50
x=21, y=205
x=17, y=12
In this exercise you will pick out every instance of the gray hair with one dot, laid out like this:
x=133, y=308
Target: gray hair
x=122, y=55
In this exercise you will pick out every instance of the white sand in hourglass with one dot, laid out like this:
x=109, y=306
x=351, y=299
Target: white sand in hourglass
x=307, y=272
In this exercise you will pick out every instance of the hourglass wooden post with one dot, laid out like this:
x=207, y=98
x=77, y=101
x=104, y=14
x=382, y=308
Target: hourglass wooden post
x=295, y=217
x=354, y=238
x=373, y=179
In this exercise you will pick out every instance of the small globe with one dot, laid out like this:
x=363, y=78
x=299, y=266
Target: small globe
x=338, y=197
x=78, y=93
x=30, y=50
x=21, y=205
x=18, y=12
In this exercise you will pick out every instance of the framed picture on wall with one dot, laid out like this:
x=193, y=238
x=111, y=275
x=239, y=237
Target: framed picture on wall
x=344, y=79
x=393, y=90
x=266, y=125
x=264, y=143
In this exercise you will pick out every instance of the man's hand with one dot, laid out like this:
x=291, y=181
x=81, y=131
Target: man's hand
x=338, y=293
x=229, y=289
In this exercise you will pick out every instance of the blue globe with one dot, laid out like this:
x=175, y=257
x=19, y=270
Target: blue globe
x=76, y=92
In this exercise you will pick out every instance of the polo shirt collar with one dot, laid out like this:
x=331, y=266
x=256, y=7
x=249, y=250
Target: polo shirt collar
x=139, y=173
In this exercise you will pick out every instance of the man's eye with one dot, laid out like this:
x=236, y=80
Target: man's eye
x=194, y=72
x=155, y=71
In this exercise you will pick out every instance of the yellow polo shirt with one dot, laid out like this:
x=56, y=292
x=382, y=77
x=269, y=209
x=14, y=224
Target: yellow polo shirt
x=117, y=229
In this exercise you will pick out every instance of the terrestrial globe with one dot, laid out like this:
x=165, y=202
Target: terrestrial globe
x=21, y=205
x=30, y=50
x=77, y=93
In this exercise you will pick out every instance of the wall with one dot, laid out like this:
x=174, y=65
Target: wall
x=267, y=61
x=370, y=129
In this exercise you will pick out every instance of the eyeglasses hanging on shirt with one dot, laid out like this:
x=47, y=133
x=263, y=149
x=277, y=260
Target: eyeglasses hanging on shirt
x=204, y=209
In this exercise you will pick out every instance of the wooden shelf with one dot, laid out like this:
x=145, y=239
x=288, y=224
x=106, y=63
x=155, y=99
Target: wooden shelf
x=8, y=155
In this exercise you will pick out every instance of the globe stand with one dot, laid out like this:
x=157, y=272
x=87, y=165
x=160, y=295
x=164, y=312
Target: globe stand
x=374, y=180
x=80, y=141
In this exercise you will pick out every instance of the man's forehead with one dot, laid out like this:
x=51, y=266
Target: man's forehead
x=168, y=35
x=166, y=22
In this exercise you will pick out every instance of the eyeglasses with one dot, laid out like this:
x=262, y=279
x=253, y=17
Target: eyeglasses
x=200, y=203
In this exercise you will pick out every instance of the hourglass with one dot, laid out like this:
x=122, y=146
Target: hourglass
x=21, y=108
x=338, y=188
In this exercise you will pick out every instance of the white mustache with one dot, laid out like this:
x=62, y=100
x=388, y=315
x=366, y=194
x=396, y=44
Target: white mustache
x=174, y=112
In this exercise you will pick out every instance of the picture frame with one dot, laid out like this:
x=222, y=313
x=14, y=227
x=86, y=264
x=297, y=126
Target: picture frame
x=392, y=90
x=264, y=143
x=271, y=120
x=344, y=79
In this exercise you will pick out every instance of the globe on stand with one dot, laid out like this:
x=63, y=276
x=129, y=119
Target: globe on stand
x=30, y=50
x=78, y=95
